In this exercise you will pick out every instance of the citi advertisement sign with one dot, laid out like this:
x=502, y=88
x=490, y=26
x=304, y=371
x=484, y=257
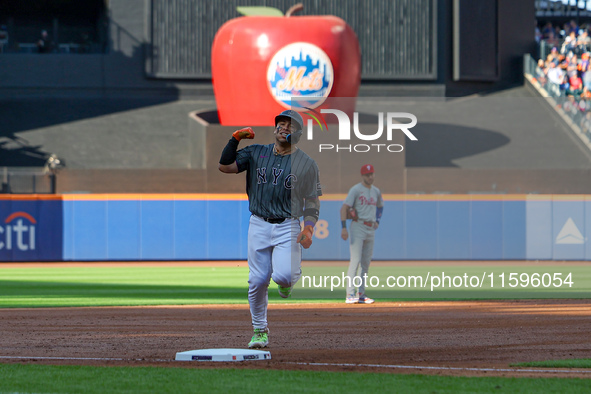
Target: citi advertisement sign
x=375, y=141
x=18, y=232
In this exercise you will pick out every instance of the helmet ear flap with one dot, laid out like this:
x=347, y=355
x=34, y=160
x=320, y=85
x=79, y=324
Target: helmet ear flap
x=294, y=137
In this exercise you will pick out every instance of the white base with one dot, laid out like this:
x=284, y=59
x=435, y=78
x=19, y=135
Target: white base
x=223, y=355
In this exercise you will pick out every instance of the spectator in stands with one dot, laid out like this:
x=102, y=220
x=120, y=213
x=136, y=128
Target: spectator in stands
x=541, y=72
x=565, y=61
x=45, y=45
x=552, y=40
x=573, y=27
x=554, y=56
x=568, y=28
x=563, y=65
x=565, y=31
x=583, y=42
x=555, y=74
x=584, y=63
x=575, y=86
x=564, y=85
x=550, y=59
x=586, y=81
x=585, y=71
x=572, y=63
x=567, y=70
x=569, y=44
x=547, y=29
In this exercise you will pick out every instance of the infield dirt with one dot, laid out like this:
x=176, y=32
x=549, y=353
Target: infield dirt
x=465, y=338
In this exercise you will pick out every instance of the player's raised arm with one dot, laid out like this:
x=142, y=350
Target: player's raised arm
x=228, y=159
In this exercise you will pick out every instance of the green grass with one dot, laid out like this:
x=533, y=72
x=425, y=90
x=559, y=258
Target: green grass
x=126, y=286
x=574, y=363
x=88, y=380
x=174, y=285
x=119, y=286
x=454, y=281
x=141, y=285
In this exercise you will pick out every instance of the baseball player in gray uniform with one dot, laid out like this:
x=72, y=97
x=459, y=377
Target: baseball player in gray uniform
x=366, y=201
x=282, y=185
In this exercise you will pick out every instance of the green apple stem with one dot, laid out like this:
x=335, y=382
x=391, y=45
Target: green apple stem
x=294, y=8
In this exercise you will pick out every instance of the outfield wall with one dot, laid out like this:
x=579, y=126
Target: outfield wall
x=114, y=227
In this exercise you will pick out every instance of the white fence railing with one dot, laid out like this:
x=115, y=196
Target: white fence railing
x=24, y=180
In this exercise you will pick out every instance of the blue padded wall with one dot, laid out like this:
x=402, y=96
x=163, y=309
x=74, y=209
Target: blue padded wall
x=201, y=227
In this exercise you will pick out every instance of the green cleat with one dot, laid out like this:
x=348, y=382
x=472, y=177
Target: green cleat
x=260, y=338
x=284, y=292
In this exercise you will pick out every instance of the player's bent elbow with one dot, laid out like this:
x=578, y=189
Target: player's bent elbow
x=228, y=168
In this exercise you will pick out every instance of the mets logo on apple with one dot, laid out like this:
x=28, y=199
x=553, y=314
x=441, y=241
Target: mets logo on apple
x=300, y=70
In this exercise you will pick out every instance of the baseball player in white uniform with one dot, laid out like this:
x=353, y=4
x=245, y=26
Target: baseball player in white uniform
x=366, y=201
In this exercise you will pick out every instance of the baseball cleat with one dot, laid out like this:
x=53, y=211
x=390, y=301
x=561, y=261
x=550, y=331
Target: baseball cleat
x=366, y=300
x=259, y=339
x=351, y=300
x=284, y=292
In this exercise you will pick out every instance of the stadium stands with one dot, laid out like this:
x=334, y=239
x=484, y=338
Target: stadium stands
x=564, y=70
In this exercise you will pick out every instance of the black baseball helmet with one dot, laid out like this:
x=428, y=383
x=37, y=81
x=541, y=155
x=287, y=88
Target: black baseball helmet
x=296, y=119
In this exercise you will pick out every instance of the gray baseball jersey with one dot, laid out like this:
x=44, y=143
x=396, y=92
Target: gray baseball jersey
x=365, y=200
x=278, y=185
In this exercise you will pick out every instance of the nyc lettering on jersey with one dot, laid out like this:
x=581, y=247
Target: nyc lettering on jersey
x=18, y=232
x=288, y=182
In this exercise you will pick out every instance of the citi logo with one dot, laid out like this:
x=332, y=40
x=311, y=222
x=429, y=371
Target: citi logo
x=18, y=234
x=390, y=119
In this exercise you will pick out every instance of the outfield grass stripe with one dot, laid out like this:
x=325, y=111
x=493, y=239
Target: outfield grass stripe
x=69, y=358
x=566, y=371
x=389, y=366
x=100, y=380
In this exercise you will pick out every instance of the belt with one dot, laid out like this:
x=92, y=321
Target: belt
x=274, y=220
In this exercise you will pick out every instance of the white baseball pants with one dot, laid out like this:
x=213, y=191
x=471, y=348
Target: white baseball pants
x=272, y=254
x=361, y=247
